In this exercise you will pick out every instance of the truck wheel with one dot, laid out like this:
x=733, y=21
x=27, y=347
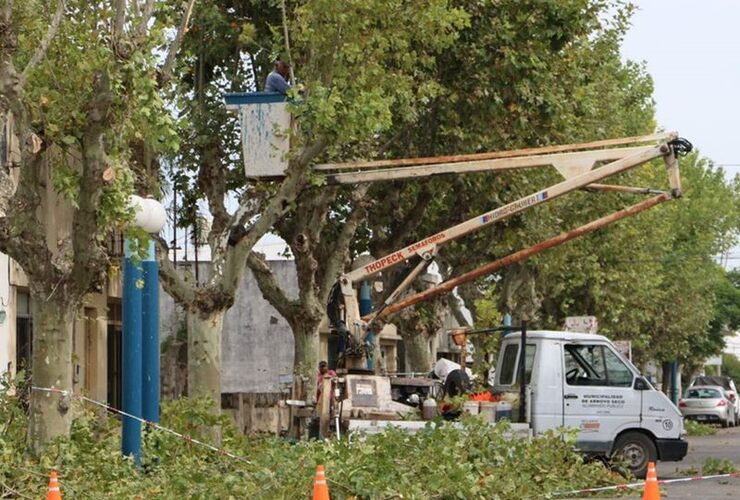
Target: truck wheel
x=636, y=449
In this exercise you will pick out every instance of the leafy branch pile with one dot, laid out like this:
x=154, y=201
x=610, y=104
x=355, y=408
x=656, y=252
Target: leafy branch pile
x=474, y=461
x=696, y=429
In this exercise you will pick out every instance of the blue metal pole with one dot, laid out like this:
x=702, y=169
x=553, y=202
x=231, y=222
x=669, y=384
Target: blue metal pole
x=131, y=380
x=150, y=337
x=507, y=324
x=366, y=307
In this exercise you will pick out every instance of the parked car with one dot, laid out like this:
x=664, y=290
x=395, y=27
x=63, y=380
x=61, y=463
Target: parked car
x=708, y=403
x=729, y=386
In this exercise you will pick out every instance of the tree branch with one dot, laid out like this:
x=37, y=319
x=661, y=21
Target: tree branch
x=146, y=15
x=279, y=205
x=7, y=11
x=335, y=259
x=45, y=41
x=286, y=195
x=269, y=286
x=172, y=281
x=119, y=6
x=404, y=227
x=22, y=234
x=165, y=73
x=89, y=256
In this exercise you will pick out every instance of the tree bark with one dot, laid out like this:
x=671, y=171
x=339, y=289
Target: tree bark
x=306, y=354
x=204, y=355
x=50, y=413
x=418, y=354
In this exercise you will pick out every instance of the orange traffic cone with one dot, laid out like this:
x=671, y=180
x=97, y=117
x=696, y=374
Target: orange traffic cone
x=320, y=488
x=53, y=492
x=652, y=490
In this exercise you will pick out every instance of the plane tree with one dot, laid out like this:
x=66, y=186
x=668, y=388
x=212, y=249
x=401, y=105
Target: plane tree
x=360, y=65
x=78, y=86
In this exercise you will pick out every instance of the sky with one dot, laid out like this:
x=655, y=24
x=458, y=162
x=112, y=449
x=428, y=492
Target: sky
x=692, y=51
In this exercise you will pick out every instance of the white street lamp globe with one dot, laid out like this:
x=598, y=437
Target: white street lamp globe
x=149, y=214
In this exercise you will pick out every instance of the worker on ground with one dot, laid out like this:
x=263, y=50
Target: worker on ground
x=324, y=372
x=277, y=80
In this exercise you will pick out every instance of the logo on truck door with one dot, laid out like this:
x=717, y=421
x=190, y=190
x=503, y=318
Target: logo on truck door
x=603, y=401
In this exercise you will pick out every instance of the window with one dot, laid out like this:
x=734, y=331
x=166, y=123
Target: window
x=595, y=365
x=23, y=332
x=114, y=348
x=510, y=361
x=703, y=394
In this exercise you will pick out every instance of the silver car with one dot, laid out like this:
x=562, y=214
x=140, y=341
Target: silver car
x=707, y=403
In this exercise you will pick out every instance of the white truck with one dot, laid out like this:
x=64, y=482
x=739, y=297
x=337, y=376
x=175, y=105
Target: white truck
x=580, y=381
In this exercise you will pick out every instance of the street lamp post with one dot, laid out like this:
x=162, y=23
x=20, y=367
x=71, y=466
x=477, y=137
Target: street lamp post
x=140, y=370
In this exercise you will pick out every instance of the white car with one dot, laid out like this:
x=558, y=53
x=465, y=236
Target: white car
x=729, y=387
x=708, y=403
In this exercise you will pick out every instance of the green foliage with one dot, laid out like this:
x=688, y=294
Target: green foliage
x=474, y=460
x=694, y=428
x=731, y=366
x=718, y=466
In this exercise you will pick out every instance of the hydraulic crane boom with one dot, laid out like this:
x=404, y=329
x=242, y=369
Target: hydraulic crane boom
x=576, y=167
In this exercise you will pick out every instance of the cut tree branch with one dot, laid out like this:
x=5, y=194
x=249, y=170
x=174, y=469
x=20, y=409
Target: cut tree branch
x=43, y=47
x=165, y=73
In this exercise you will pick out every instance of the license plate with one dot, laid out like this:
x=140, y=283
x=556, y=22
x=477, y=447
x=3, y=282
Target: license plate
x=701, y=417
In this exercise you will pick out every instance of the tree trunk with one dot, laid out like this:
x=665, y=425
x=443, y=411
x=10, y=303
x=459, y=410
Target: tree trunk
x=204, y=355
x=417, y=353
x=666, y=378
x=306, y=355
x=51, y=366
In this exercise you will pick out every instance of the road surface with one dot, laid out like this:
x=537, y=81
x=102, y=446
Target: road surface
x=723, y=445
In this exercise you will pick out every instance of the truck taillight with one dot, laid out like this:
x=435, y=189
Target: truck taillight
x=722, y=402
x=681, y=403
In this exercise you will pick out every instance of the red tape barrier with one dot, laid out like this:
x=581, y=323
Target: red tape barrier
x=642, y=483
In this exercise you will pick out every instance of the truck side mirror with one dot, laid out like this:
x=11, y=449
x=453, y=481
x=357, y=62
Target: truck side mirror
x=641, y=384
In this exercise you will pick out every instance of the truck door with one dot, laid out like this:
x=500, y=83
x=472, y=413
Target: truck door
x=598, y=398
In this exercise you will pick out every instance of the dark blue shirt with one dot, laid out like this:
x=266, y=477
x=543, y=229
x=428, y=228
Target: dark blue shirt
x=276, y=83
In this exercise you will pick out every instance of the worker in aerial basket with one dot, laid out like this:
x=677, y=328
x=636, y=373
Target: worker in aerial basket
x=277, y=80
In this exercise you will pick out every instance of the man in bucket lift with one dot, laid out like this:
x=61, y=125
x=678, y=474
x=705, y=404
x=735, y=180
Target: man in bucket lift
x=277, y=80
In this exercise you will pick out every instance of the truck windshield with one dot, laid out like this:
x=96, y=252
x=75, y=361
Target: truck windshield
x=595, y=365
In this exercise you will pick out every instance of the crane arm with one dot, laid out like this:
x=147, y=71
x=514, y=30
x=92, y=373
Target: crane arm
x=428, y=244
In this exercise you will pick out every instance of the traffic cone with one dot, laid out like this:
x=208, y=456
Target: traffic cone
x=320, y=488
x=652, y=490
x=53, y=492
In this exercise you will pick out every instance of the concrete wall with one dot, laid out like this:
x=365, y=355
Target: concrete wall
x=257, y=343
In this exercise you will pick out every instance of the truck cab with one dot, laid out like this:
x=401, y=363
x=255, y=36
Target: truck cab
x=580, y=381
